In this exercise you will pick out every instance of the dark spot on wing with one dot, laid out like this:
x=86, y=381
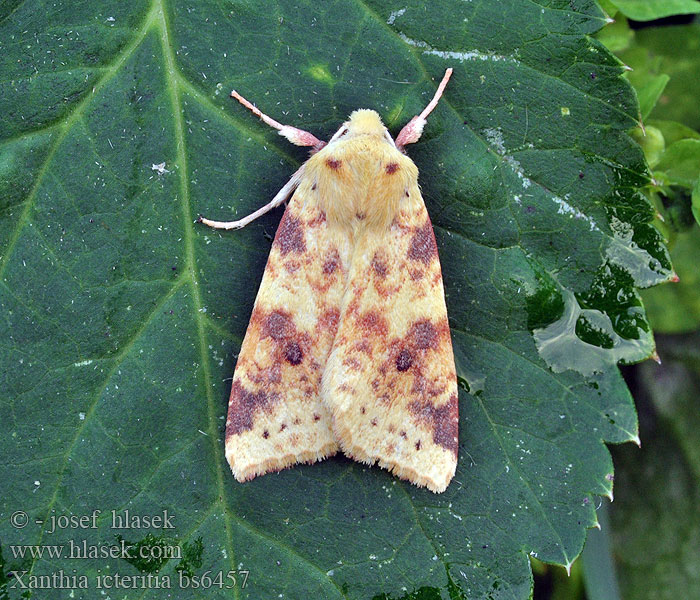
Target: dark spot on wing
x=404, y=360
x=374, y=323
x=328, y=321
x=332, y=262
x=392, y=167
x=294, y=353
x=290, y=235
x=333, y=163
x=278, y=325
x=242, y=407
x=379, y=265
x=443, y=420
x=423, y=335
x=423, y=246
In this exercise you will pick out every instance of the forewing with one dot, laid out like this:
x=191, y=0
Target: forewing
x=390, y=380
x=275, y=415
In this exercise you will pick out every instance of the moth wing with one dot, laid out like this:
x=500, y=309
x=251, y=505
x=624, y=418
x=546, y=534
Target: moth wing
x=390, y=381
x=275, y=415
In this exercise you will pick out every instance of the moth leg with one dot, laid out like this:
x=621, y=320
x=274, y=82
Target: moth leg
x=280, y=197
x=414, y=128
x=298, y=137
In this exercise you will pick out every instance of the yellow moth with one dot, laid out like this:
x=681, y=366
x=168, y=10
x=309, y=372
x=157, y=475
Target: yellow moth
x=348, y=346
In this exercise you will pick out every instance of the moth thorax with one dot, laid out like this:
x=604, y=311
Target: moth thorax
x=365, y=122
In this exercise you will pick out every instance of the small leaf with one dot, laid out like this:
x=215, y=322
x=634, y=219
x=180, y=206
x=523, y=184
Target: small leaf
x=696, y=201
x=673, y=131
x=676, y=52
x=675, y=307
x=616, y=36
x=648, y=10
x=649, y=91
x=652, y=142
x=598, y=562
x=676, y=208
x=680, y=163
x=608, y=7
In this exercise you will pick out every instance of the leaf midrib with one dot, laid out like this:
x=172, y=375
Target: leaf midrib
x=156, y=19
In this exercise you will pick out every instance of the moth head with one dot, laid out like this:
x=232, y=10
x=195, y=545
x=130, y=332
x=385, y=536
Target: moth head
x=363, y=122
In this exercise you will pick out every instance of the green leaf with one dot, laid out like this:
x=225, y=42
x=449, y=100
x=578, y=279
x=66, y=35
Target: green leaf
x=696, y=201
x=675, y=307
x=598, y=563
x=649, y=91
x=648, y=10
x=652, y=142
x=673, y=131
x=676, y=212
x=646, y=76
x=658, y=549
x=674, y=51
x=121, y=317
x=609, y=9
x=680, y=163
x=616, y=36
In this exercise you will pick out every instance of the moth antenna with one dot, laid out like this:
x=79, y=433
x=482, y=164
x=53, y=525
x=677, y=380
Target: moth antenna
x=279, y=198
x=299, y=137
x=414, y=128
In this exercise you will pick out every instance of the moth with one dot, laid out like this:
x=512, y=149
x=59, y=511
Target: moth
x=348, y=346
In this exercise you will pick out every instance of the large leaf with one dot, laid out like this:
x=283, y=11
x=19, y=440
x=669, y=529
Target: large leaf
x=121, y=318
x=655, y=515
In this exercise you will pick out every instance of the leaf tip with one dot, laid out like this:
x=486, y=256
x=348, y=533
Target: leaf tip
x=674, y=277
x=656, y=358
